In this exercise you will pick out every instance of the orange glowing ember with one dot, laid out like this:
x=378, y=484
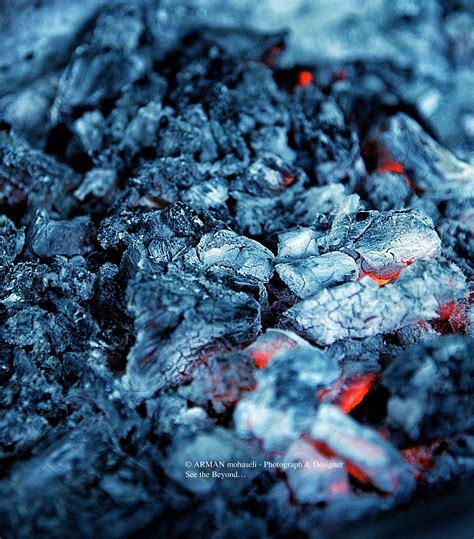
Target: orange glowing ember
x=389, y=165
x=357, y=474
x=452, y=317
x=383, y=280
x=261, y=359
x=348, y=393
x=421, y=457
x=287, y=179
x=355, y=392
x=305, y=78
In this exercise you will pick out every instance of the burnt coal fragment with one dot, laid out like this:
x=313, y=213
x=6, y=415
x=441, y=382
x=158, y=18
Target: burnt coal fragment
x=93, y=76
x=363, y=308
x=49, y=237
x=431, y=386
x=177, y=325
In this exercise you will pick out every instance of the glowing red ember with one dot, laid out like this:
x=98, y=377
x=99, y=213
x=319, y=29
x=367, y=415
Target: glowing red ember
x=348, y=393
x=305, y=78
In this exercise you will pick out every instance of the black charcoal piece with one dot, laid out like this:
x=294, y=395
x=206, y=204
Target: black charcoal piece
x=431, y=387
x=49, y=237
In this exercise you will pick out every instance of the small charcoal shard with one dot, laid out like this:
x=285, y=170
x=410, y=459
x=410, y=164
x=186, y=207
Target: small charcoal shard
x=12, y=241
x=433, y=171
x=48, y=237
x=305, y=277
x=363, y=308
x=368, y=456
x=431, y=386
x=93, y=75
x=178, y=319
x=227, y=249
x=282, y=406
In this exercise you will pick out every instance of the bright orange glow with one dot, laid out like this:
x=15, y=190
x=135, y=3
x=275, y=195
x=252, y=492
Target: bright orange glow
x=357, y=473
x=261, y=359
x=390, y=165
x=305, y=78
x=355, y=392
x=288, y=179
x=348, y=393
x=383, y=280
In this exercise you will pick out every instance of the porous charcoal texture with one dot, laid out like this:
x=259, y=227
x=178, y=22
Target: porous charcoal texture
x=225, y=241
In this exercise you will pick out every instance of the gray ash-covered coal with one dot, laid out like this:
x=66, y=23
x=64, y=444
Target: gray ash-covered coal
x=219, y=243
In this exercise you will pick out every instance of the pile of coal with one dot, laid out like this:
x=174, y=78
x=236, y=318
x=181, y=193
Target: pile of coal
x=225, y=242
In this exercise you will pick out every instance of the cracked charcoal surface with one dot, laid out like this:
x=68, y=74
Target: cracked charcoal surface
x=225, y=239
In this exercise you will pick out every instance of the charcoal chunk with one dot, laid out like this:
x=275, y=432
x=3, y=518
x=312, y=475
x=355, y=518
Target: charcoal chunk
x=363, y=308
x=49, y=237
x=431, y=385
x=177, y=325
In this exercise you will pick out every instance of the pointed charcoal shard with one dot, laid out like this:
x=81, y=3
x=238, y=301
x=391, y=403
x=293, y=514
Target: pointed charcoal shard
x=178, y=319
x=227, y=249
x=431, y=386
x=48, y=237
x=368, y=457
x=307, y=276
x=363, y=309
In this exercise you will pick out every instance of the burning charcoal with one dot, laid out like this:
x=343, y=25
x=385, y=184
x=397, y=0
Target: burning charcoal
x=177, y=325
x=433, y=170
x=383, y=253
x=11, y=241
x=367, y=455
x=282, y=406
x=48, y=237
x=272, y=343
x=320, y=478
x=227, y=249
x=431, y=387
x=363, y=308
x=306, y=277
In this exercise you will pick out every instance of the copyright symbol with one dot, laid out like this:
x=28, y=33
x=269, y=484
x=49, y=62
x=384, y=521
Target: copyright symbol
x=188, y=464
